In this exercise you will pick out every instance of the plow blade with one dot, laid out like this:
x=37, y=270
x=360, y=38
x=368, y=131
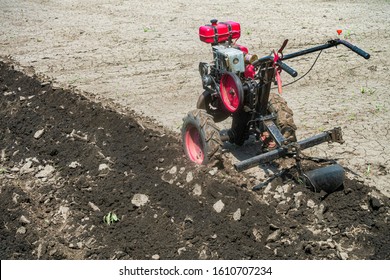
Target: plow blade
x=328, y=178
x=333, y=135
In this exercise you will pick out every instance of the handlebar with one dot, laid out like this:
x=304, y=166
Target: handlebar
x=355, y=49
x=292, y=72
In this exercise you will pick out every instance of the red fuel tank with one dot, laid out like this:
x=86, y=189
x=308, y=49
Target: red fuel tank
x=219, y=32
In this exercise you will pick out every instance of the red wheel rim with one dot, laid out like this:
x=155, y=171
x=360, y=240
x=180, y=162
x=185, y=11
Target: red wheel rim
x=194, y=145
x=230, y=93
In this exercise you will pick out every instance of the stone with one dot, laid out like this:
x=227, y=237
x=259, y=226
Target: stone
x=173, y=170
x=38, y=134
x=155, y=257
x=24, y=220
x=298, y=194
x=15, y=198
x=75, y=135
x=26, y=168
x=203, y=255
x=181, y=250
x=277, y=196
x=52, y=252
x=343, y=255
x=237, y=215
x=94, y=207
x=140, y=199
x=74, y=164
x=41, y=250
x=21, y=230
x=213, y=171
x=3, y=156
x=311, y=203
x=197, y=190
x=103, y=166
x=64, y=211
x=268, y=188
x=297, y=202
x=189, y=177
x=279, y=189
x=46, y=172
x=274, y=236
x=319, y=210
x=218, y=206
x=257, y=234
x=287, y=188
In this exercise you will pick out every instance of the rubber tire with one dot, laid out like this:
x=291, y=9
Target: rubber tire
x=285, y=121
x=208, y=132
x=219, y=113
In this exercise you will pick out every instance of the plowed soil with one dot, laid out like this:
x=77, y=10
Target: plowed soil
x=67, y=161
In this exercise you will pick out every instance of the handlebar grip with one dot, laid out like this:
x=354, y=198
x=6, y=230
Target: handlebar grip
x=287, y=68
x=356, y=49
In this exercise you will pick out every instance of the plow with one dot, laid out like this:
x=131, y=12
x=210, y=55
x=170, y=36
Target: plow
x=237, y=85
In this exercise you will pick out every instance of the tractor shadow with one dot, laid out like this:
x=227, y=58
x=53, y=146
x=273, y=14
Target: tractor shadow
x=250, y=149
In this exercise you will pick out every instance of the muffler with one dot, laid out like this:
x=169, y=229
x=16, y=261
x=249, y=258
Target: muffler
x=327, y=179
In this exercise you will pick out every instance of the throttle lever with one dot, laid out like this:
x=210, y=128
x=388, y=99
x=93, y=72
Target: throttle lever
x=280, y=51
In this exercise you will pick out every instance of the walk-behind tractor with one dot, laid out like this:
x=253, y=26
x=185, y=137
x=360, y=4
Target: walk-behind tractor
x=237, y=84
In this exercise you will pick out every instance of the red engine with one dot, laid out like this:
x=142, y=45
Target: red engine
x=228, y=56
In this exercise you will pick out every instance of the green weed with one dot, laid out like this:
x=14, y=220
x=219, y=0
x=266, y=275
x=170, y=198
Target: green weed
x=148, y=29
x=367, y=90
x=379, y=107
x=3, y=170
x=368, y=170
x=110, y=218
x=347, y=35
x=352, y=117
